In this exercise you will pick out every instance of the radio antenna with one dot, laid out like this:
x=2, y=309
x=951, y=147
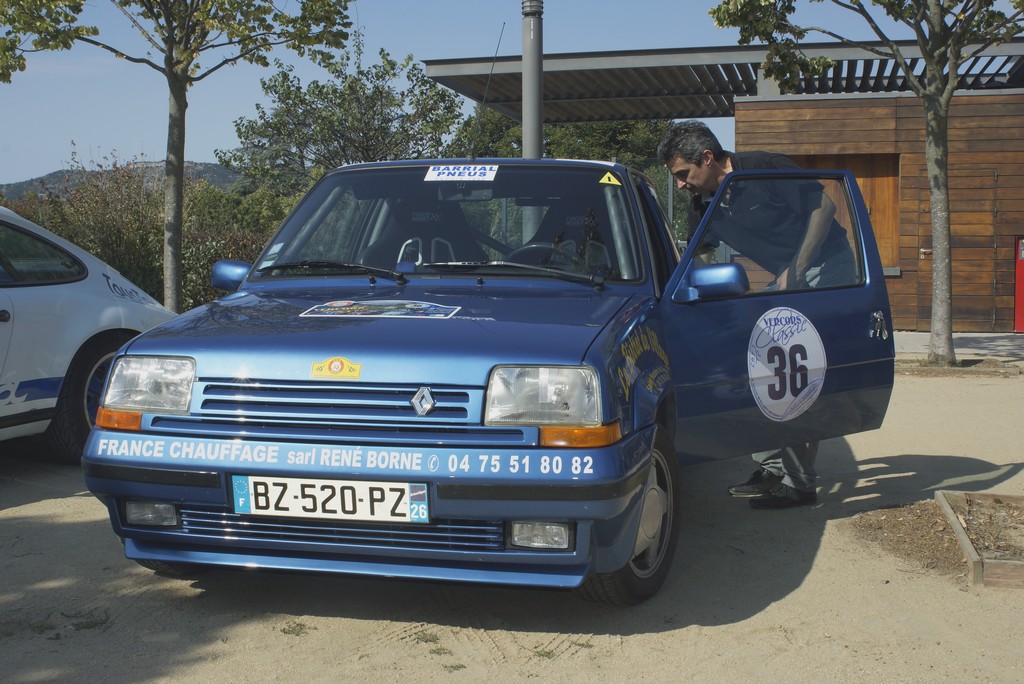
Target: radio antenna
x=483, y=102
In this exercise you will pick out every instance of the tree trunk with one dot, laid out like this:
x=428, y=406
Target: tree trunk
x=174, y=191
x=940, y=346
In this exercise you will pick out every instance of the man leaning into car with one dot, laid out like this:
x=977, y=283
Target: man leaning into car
x=806, y=250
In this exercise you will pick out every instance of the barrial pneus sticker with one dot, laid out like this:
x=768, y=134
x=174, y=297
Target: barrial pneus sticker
x=785, y=363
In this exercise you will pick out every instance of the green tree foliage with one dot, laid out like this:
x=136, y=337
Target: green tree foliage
x=628, y=142
x=947, y=32
x=486, y=133
x=186, y=42
x=387, y=110
x=264, y=208
x=210, y=207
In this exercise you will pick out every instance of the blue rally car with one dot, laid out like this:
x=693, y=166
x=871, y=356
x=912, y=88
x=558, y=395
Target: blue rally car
x=487, y=371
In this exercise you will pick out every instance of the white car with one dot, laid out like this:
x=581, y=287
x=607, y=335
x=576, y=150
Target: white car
x=63, y=314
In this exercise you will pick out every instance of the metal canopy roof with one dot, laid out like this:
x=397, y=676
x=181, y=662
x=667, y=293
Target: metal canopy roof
x=695, y=82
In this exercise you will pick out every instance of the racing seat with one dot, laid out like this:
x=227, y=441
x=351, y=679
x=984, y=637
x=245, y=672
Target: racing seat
x=423, y=234
x=573, y=233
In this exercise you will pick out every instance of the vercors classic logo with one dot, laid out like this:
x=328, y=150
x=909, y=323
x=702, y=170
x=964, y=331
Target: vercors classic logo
x=786, y=363
x=336, y=368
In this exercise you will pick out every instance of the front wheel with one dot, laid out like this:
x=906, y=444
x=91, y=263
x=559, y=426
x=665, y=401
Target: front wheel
x=656, y=538
x=80, y=395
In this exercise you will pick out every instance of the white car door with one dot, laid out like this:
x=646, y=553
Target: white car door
x=41, y=287
x=6, y=326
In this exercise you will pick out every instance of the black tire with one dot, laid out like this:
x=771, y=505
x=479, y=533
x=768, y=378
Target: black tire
x=644, y=575
x=177, y=570
x=80, y=395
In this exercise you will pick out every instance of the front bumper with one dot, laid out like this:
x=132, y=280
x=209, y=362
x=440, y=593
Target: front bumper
x=474, y=494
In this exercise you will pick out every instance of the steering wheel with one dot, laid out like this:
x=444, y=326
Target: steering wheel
x=544, y=254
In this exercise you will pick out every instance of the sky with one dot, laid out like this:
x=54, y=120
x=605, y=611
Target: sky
x=86, y=105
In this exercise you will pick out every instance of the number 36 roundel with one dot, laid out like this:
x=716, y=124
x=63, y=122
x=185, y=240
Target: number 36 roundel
x=786, y=363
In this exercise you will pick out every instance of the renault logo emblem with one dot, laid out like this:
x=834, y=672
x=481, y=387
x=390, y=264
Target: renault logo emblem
x=423, y=401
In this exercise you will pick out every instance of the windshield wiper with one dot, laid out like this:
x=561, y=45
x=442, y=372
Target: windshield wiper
x=338, y=267
x=470, y=266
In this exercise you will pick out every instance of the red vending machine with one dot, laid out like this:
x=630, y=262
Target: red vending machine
x=1018, y=301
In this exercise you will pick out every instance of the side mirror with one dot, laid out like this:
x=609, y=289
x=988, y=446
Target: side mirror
x=228, y=274
x=715, y=281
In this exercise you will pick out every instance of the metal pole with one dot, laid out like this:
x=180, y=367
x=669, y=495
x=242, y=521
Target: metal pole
x=533, y=79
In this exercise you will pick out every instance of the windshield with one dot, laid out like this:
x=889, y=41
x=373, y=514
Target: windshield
x=466, y=218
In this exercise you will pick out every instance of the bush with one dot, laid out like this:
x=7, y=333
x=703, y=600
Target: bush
x=203, y=247
x=208, y=208
x=115, y=211
x=118, y=217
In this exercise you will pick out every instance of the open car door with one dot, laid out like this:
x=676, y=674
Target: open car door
x=777, y=318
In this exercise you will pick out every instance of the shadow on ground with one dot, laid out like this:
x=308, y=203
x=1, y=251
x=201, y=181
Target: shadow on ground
x=1006, y=345
x=67, y=582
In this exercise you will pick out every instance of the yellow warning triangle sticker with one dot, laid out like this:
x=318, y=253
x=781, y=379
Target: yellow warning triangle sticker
x=609, y=179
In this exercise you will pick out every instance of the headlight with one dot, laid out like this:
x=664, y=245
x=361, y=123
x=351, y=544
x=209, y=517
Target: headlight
x=150, y=384
x=540, y=395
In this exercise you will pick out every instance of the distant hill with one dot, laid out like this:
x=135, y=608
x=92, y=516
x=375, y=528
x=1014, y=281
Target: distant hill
x=60, y=181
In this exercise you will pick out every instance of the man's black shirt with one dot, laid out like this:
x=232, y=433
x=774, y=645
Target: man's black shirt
x=766, y=221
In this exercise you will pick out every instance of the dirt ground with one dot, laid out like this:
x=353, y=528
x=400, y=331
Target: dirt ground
x=995, y=528
x=921, y=533
x=854, y=589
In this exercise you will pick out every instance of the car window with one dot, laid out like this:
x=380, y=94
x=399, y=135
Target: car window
x=790, y=233
x=564, y=218
x=664, y=252
x=27, y=259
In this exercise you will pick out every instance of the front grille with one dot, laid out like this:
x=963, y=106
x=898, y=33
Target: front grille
x=336, y=402
x=201, y=523
x=306, y=411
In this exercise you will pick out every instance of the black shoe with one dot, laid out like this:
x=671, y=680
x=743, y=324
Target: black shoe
x=784, y=496
x=761, y=482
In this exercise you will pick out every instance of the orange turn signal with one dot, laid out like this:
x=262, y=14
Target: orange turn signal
x=118, y=420
x=580, y=437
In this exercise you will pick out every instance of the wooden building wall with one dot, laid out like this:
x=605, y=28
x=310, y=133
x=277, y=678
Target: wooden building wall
x=882, y=141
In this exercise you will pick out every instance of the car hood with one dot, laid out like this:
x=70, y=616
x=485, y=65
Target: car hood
x=390, y=336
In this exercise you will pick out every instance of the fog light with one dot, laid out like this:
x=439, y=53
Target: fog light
x=540, y=535
x=154, y=513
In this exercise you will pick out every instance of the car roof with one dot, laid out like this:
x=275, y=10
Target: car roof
x=79, y=252
x=15, y=217
x=501, y=161
x=8, y=213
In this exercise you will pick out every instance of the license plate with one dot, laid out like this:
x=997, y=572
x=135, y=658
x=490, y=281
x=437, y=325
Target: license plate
x=289, y=497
